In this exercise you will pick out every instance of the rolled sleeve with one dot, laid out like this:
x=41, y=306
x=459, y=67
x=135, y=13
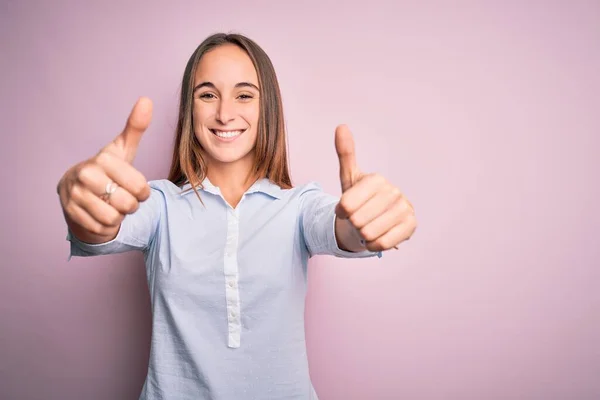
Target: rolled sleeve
x=318, y=224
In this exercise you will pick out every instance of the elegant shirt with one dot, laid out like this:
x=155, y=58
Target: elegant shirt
x=227, y=287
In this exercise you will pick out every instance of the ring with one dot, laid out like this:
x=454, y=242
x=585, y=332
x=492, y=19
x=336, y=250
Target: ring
x=109, y=189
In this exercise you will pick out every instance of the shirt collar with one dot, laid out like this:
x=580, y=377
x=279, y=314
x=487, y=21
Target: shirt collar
x=263, y=185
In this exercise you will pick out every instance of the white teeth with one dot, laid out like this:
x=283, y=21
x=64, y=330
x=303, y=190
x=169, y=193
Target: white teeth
x=227, y=134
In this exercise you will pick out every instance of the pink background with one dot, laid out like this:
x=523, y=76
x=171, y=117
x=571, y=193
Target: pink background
x=485, y=115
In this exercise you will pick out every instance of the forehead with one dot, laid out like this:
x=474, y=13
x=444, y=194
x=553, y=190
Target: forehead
x=226, y=65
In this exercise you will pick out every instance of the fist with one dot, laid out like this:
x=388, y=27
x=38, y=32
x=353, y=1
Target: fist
x=96, y=194
x=378, y=210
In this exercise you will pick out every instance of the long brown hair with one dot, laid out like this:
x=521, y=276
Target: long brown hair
x=189, y=164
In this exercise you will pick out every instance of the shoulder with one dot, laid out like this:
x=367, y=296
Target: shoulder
x=309, y=187
x=286, y=195
x=301, y=191
x=162, y=192
x=165, y=187
x=311, y=192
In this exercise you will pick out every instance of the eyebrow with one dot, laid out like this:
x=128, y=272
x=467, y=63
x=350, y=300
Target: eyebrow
x=237, y=85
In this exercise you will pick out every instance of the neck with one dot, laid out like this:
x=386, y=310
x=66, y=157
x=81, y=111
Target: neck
x=232, y=179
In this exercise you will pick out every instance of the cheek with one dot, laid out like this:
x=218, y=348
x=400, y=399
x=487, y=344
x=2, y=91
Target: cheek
x=252, y=116
x=200, y=114
x=252, y=113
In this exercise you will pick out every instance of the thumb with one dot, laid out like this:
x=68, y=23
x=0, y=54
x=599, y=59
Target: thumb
x=344, y=146
x=137, y=123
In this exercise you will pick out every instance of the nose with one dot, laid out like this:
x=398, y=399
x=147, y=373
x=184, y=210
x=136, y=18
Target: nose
x=225, y=112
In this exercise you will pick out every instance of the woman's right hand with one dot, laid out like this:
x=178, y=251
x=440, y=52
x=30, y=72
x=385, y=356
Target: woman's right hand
x=92, y=212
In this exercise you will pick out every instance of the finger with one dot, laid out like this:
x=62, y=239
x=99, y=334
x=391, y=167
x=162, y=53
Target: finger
x=99, y=210
x=410, y=205
x=82, y=218
x=122, y=173
x=137, y=123
x=355, y=197
x=122, y=201
x=344, y=146
x=92, y=178
x=385, y=221
x=375, y=206
x=394, y=236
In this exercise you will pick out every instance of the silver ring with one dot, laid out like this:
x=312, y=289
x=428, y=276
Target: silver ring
x=109, y=189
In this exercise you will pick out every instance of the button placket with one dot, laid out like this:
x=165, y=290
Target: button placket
x=231, y=279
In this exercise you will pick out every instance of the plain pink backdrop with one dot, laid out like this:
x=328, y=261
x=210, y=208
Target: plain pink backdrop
x=485, y=114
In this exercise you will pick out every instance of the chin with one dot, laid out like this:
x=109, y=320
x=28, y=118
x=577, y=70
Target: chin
x=229, y=157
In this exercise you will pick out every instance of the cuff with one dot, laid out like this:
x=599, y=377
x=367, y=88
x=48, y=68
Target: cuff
x=82, y=249
x=333, y=244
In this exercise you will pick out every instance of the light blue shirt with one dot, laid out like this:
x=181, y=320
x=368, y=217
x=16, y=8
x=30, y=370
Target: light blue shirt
x=227, y=287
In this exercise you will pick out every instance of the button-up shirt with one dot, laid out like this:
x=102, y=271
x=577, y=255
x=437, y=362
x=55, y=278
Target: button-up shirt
x=227, y=287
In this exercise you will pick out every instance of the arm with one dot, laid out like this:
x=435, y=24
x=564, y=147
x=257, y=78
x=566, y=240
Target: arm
x=136, y=232
x=98, y=193
x=319, y=226
x=371, y=209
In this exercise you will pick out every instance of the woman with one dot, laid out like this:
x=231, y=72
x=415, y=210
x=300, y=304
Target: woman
x=227, y=238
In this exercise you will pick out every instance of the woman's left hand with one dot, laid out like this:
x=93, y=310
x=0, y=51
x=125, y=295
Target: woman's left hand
x=378, y=210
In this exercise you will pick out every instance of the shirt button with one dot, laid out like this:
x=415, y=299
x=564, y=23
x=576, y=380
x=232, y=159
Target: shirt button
x=232, y=314
x=231, y=284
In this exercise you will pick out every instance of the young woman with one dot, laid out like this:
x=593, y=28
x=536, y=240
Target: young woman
x=227, y=238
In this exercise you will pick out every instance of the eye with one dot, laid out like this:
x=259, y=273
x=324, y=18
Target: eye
x=207, y=96
x=245, y=97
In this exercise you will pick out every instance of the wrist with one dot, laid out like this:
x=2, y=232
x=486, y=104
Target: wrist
x=348, y=237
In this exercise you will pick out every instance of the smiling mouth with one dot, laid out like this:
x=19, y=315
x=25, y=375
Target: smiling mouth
x=230, y=134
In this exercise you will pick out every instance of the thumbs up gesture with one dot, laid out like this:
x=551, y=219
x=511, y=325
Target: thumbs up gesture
x=96, y=194
x=374, y=208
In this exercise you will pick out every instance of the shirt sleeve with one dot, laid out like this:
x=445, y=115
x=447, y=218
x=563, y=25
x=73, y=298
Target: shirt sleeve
x=317, y=223
x=136, y=232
